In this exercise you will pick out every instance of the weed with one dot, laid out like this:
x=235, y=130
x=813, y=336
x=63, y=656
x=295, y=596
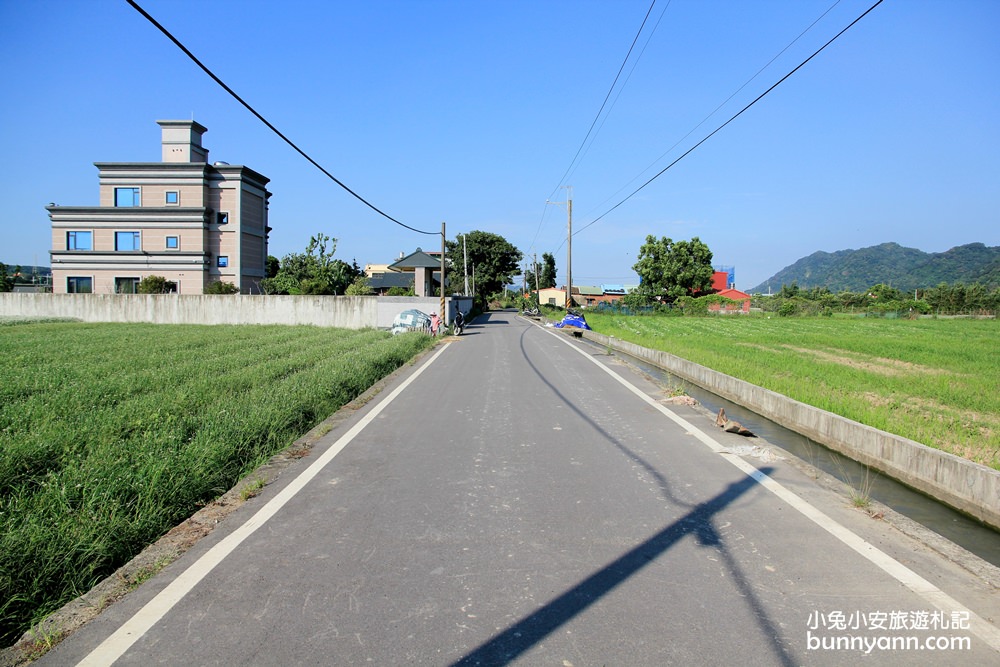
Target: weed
x=144, y=574
x=252, y=488
x=860, y=491
x=41, y=640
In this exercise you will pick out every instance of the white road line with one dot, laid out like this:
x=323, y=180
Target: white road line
x=115, y=646
x=904, y=575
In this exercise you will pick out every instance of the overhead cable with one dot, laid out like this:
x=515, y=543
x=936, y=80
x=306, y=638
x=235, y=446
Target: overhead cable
x=599, y=112
x=716, y=110
x=268, y=124
x=606, y=97
x=734, y=117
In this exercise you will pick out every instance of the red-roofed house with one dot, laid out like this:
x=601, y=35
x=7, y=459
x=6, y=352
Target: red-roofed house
x=742, y=299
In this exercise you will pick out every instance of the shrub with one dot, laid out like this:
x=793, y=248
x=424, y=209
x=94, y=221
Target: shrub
x=787, y=309
x=220, y=287
x=360, y=287
x=156, y=285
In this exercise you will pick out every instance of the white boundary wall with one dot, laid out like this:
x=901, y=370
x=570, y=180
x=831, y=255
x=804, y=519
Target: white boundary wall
x=348, y=312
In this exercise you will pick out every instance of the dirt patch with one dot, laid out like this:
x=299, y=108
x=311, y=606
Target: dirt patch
x=879, y=365
x=967, y=428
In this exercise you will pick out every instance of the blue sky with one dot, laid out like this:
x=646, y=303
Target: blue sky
x=470, y=112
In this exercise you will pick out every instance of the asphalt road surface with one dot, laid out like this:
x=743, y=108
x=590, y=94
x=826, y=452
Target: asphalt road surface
x=521, y=497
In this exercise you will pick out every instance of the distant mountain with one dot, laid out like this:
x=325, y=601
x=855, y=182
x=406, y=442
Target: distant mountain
x=890, y=263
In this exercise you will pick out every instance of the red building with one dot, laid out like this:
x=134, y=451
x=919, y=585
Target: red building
x=742, y=299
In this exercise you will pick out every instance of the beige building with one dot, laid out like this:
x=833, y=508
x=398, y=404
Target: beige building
x=192, y=222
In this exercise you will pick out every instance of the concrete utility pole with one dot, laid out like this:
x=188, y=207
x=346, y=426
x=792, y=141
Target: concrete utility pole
x=569, y=247
x=445, y=316
x=465, y=263
x=569, y=244
x=535, y=256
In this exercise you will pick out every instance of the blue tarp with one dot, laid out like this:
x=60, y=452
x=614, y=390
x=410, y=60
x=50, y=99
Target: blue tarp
x=573, y=321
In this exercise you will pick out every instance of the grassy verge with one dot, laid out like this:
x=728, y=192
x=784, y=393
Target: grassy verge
x=933, y=381
x=110, y=434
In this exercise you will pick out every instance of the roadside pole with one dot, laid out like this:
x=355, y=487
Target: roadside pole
x=445, y=317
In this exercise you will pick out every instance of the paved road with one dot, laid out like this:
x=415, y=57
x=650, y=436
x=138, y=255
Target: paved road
x=519, y=497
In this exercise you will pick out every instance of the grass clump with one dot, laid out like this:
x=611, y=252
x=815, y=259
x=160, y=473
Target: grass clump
x=111, y=434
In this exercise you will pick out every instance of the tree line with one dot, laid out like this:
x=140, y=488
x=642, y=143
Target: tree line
x=944, y=299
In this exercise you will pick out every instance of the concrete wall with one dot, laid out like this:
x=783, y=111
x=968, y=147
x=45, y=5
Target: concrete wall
x=968, y=487
x=348, y=312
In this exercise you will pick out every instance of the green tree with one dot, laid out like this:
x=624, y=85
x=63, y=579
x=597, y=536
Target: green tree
x=273, y=265
x=669, y=270
x=315, y=271
x=789, y=291
x=155, y=285
x=492, y=259
x=883, y=293
x=6, y=284
x=360, y=287
x=547, y=276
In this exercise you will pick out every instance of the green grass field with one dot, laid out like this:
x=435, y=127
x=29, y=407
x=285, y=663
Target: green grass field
x=930, y=380
x=111, y=434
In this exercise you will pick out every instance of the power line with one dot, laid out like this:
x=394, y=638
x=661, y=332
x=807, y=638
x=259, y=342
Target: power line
x=716, y=110
x=268, y=124
x=606, y=97
x=734, y=117
x=596, y=118
x=621, y=89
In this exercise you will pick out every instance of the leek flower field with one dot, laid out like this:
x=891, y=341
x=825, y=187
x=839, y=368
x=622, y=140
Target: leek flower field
x=111, y=434
x=936, y=381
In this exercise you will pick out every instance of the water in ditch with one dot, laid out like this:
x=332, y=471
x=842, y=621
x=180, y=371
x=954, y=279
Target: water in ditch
x=970, y=534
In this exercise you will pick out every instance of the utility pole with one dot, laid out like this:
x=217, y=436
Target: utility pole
x=444, y=315
x=535, y=256
x=569, y=247
x=465, y=264
x=569, y=244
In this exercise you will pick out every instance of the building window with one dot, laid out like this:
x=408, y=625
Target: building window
x=222, y=218
x=77, y=285
x=173, y=243
x=127, y=197
x=126, y=285
x=222, y=261
x=125, y=241
x=173, y=198
x=79, y=241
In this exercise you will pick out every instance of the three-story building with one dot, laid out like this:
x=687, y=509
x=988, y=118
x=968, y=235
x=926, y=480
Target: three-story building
x=189, y=221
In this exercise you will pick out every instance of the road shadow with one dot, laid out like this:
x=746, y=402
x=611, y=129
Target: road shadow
x=698, y=522
x=529, y=631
